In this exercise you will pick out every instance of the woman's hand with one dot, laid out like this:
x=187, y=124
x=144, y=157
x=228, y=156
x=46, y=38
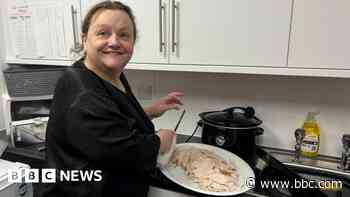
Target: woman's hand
x=166, y=139
x=170, y=101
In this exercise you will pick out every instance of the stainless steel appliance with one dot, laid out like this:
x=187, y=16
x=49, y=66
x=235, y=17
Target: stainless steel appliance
x=26, y=100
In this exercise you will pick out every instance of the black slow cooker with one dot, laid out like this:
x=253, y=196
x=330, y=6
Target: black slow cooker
x=233, y=129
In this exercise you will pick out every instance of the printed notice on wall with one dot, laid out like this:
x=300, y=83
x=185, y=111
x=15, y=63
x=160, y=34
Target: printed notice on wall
x=37, y=30
x=21, y=30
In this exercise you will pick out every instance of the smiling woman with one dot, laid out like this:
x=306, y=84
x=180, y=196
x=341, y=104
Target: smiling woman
x=96, y=123
x=109, y=43
x=108, y=39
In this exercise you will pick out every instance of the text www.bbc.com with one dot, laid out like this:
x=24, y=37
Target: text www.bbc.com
x=297, y=184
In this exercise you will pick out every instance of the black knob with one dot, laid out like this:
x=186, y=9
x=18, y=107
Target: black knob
x=249, y=112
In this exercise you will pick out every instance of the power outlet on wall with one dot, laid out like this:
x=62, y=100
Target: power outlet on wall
x=145, y=92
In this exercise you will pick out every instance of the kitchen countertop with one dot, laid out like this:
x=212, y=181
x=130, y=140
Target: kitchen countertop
x=33, y=155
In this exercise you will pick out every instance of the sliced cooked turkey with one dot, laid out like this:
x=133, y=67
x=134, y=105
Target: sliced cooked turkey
x=207, y=169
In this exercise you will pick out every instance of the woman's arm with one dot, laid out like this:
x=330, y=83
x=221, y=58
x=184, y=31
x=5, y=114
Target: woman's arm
x=168, y=102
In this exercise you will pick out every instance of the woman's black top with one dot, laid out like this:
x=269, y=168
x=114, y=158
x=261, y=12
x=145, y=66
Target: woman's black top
x=95, y=126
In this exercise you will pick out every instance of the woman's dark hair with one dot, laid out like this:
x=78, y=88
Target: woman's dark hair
x=108, y=5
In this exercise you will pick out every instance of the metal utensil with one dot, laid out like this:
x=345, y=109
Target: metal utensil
x=178, y=122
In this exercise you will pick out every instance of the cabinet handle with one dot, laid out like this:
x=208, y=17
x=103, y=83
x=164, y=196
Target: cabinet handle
x=76, y=47
x=175, y=8
x=161, y=32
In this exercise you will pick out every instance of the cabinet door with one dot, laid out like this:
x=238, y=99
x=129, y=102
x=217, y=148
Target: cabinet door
x=42, y=29
x=320, y=35
x=230, y=32
x=151, y=25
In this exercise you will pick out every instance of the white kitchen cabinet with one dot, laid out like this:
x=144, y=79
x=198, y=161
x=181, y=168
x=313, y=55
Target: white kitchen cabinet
x=41, y=31
x=148, y=48
x=320, y=34
x=209, y=32
x=230, y=32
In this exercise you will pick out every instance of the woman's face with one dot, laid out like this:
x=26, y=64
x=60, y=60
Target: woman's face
x=109, y=42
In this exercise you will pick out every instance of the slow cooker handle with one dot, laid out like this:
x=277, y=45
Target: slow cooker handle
x=248, y=112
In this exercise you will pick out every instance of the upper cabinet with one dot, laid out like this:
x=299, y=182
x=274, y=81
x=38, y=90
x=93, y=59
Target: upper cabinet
x=41, y=31
x=229, y=32
x=289, y=37
x=150, y=16
x=320, y=34
x=209, y=32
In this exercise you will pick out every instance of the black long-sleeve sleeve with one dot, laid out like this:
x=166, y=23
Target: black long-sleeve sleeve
x=103, y=134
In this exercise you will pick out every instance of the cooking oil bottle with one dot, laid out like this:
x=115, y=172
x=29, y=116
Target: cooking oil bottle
x=311, y=142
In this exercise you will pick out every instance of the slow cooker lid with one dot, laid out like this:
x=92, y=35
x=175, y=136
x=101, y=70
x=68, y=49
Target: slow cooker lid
x=231, y=118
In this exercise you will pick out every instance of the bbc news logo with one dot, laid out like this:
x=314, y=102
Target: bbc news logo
x=52, y=175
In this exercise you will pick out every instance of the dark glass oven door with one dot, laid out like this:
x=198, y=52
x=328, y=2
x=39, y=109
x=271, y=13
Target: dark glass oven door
x=22, y=110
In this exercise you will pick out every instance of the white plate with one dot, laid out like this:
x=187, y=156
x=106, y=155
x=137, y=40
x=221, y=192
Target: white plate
x=177, y=174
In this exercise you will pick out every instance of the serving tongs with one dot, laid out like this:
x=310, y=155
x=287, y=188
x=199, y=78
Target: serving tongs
x=164, y=158
x=180, y=120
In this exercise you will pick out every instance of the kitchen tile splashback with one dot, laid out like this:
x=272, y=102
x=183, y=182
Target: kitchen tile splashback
x=281, y=102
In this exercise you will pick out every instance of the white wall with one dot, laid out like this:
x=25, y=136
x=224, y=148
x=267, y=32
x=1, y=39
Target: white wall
x=2, y=65
x=281, y=102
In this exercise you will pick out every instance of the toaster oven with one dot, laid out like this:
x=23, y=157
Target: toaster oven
x=27, y=98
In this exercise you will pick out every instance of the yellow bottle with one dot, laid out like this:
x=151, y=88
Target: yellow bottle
x=311, y=142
